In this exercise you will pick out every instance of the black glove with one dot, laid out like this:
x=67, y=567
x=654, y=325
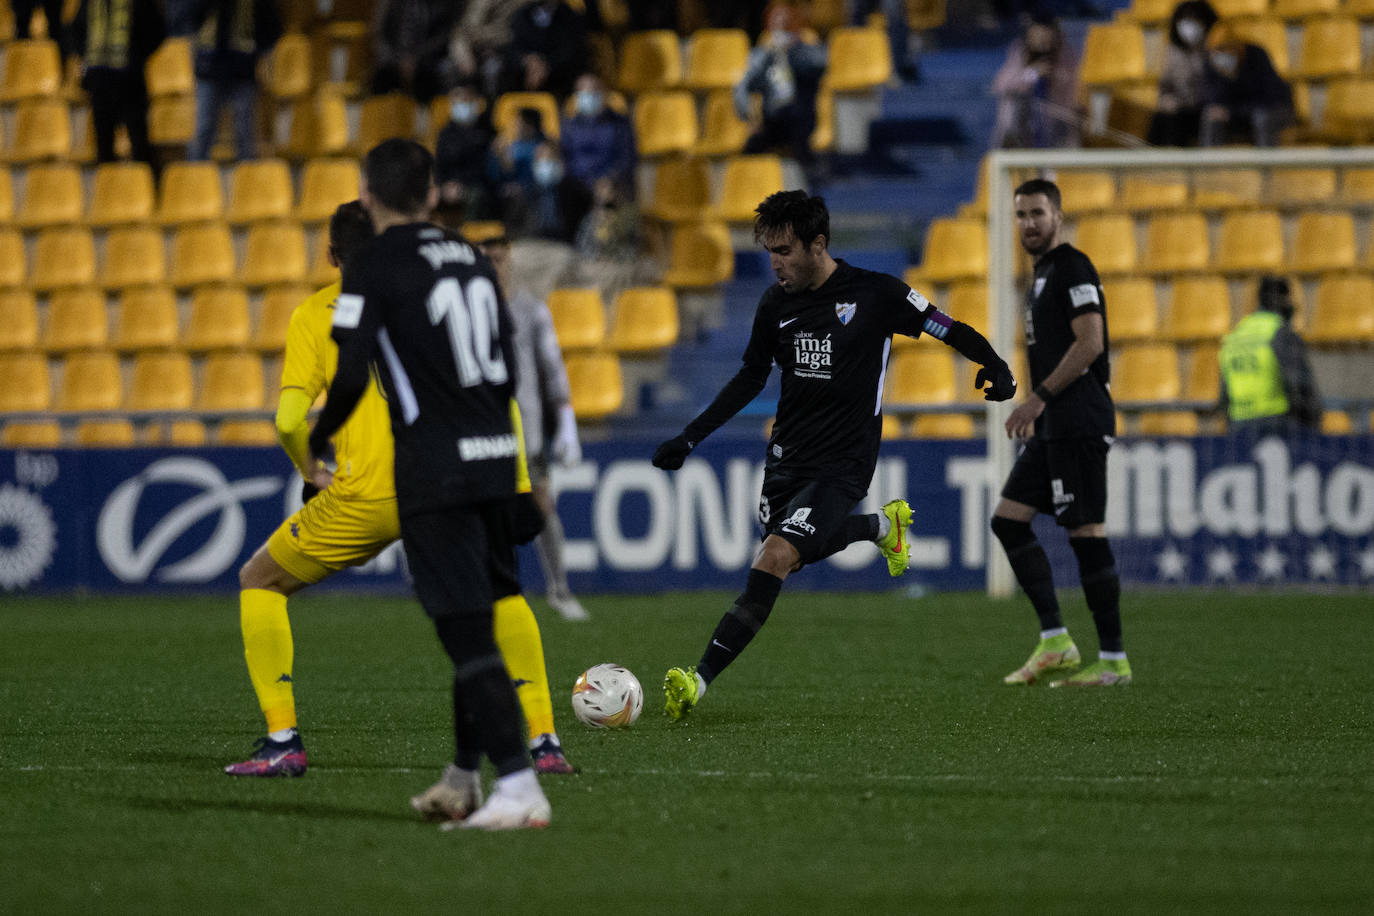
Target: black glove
x=1001, y=384
x=529, y=518
x=308, y=491
x=670, y=455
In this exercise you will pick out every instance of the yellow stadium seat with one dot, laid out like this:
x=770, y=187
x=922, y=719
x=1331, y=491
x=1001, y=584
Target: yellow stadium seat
x=1330, y=48
x=1168, y=423
x=326, y=183
x=161, y=381
x=110, y=433
x=892, y=428
x=1113, y=53
x=18, y=320
x=91, y=381
x=275, y=253
x=1219, y=189
x=42, y=130
x=172, y=120
x=1302, y=186
x=385, y=116
x=133, y=257
x=291, y=73
x=823, y=136
x=1145, y=372
x=1109, y=240
x=1234, y=9
x=665, y=122
x=682, y=189
x=169, y=70
x=321, y=272
x=27, y=383
x=1271, y=34
x=33, y=68
x=246, y=432
x=1157, y=190
x=202, y=253
x=31, y=434
x=12, y=264
x=943, y=426
x=1302, y=9
x=1086, y=192
x=579, y=318
x=259, y=190
x=1324, y=241
x=921, y=375
x=6, y=196
x=76, y=320
x=646, y=320
x=968, y=302
x=955, y=249
x=233, y=381
x=722, y=132
x=1176, y=242
x=219, y=319
x=1343, y=312
x=183, y=433
x=860, y=59
x=123, y=193
x=318, y=126
x=146, y=318
x=505, y=114
x=482, y=230
x=650, y=60
x=1357, y=185
x=701, y=255
x=1199, y=309
x=340, y=52
x=1360, y=9
x=1250, y=240
x=1132, y=313
x=1204, y=374
x=716, y=58
x=1350, y=109
x=53, y=196
x=63, y=257
x=746, y=182
x=598, y=389
x=1150, y=11
x=1336, y=423
x=191, y=192
x=274, y=317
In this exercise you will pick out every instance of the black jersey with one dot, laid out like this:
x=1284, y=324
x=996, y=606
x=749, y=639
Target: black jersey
x=1066, y=285
x=427, y=307
x=831, y=345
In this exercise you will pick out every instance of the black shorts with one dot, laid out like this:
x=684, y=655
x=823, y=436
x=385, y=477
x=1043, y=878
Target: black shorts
x=462, y=558
x=806, y=513
x=1066, y=478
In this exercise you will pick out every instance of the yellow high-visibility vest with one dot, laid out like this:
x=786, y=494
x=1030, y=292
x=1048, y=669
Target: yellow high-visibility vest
x=1254, y=380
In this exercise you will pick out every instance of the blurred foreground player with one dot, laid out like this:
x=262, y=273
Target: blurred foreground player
x=1067, y=423
x=829, y=328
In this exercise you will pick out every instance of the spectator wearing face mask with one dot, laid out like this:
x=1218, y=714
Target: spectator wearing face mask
x=1037, y=89
x=522, y=170
x=1243, y=97
x=460, y=156
x=1176, y=120
x=786, y=71
x=598, y=147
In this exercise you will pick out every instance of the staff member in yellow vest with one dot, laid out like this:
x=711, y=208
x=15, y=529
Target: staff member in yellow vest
x=1266, y=379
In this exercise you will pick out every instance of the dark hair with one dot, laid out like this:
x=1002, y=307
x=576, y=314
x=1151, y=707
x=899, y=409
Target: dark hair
x=1200, y=10
x=1041, y=186
x=350, y=228
x=399, y=174
x=805, y=215
x=1275, y=296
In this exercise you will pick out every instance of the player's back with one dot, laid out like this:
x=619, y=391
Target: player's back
x=363, y=447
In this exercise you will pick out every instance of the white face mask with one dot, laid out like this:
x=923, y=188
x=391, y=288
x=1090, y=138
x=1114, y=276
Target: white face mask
x=464, y=112
x=547, y=172
x=1224, y=61
x=1191, y=31
x=589, y=102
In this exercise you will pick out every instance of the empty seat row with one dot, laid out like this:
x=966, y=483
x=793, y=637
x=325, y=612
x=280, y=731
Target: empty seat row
x=645, y=320
x=682, y=188
x=121, y=432
x=1157, y=12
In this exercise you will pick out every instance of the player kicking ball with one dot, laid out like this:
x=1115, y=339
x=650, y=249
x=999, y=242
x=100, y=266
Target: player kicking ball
x=828, y=326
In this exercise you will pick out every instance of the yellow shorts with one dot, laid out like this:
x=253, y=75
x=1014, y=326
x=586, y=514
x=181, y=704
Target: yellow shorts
x=330, y=533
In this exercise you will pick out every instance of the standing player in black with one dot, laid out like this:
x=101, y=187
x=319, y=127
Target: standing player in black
x=1068, y=423
x=829, y=328
x=428, y=308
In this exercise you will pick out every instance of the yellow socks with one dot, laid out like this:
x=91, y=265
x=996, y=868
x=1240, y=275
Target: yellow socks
x=517, y=636
x=268, y=649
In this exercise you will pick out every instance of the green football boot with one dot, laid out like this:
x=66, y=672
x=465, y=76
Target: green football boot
x=680, y=692
x=1105, y=672
x=1051, y=656
x=895, y=547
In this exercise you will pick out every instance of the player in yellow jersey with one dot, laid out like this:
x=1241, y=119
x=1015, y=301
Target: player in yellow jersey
x=349, y=517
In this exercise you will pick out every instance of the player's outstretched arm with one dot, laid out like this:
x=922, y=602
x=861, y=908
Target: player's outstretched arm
x=995, y=374
x=734, y=397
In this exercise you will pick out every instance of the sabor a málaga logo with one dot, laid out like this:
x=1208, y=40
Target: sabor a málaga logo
x=34, y=538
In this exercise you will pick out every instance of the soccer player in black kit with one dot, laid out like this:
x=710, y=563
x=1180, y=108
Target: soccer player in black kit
x=1067, y=423
x=426, y=309
x=829, y=328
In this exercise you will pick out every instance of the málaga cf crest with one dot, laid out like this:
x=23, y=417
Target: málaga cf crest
x=845, y=311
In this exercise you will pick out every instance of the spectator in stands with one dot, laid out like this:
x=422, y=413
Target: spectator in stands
x=786, y=71
x=1266, y=379
x=477, y=45
x=527, y=171
x=651, y=14
x=230, y=36
x=737, y=14
x=410, y=41
x=898, y=32
x=1037, y=89
x=548, y=48
x=1243, y=97
x=598, y=147
x=460, y=157
x=1179, y=114
x=113, y=51
x=23, y=19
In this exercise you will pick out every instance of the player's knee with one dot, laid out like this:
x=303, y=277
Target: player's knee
x=1010, y=532
x=778, y=556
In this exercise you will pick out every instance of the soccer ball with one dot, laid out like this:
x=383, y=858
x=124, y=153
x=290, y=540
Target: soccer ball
x=607, y=696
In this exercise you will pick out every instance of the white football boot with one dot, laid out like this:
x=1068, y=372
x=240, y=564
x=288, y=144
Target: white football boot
x=456, y=795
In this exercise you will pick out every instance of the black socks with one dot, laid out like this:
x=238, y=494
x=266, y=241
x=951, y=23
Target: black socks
x=1102, y=588
x=1032, y=568
x=740, y=623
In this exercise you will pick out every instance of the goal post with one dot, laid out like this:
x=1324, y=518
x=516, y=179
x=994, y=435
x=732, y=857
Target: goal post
x=1005, y=168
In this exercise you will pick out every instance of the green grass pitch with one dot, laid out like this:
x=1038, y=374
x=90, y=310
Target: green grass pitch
x=863, y=757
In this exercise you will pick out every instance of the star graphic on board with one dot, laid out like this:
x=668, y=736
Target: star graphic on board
x=1321, y=563
x=1367, y=563
x=1271, y=562
x=1173, y=565
x=1221, y=565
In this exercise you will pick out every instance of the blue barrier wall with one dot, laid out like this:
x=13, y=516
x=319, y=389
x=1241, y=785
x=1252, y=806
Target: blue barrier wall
x=1183, y=511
